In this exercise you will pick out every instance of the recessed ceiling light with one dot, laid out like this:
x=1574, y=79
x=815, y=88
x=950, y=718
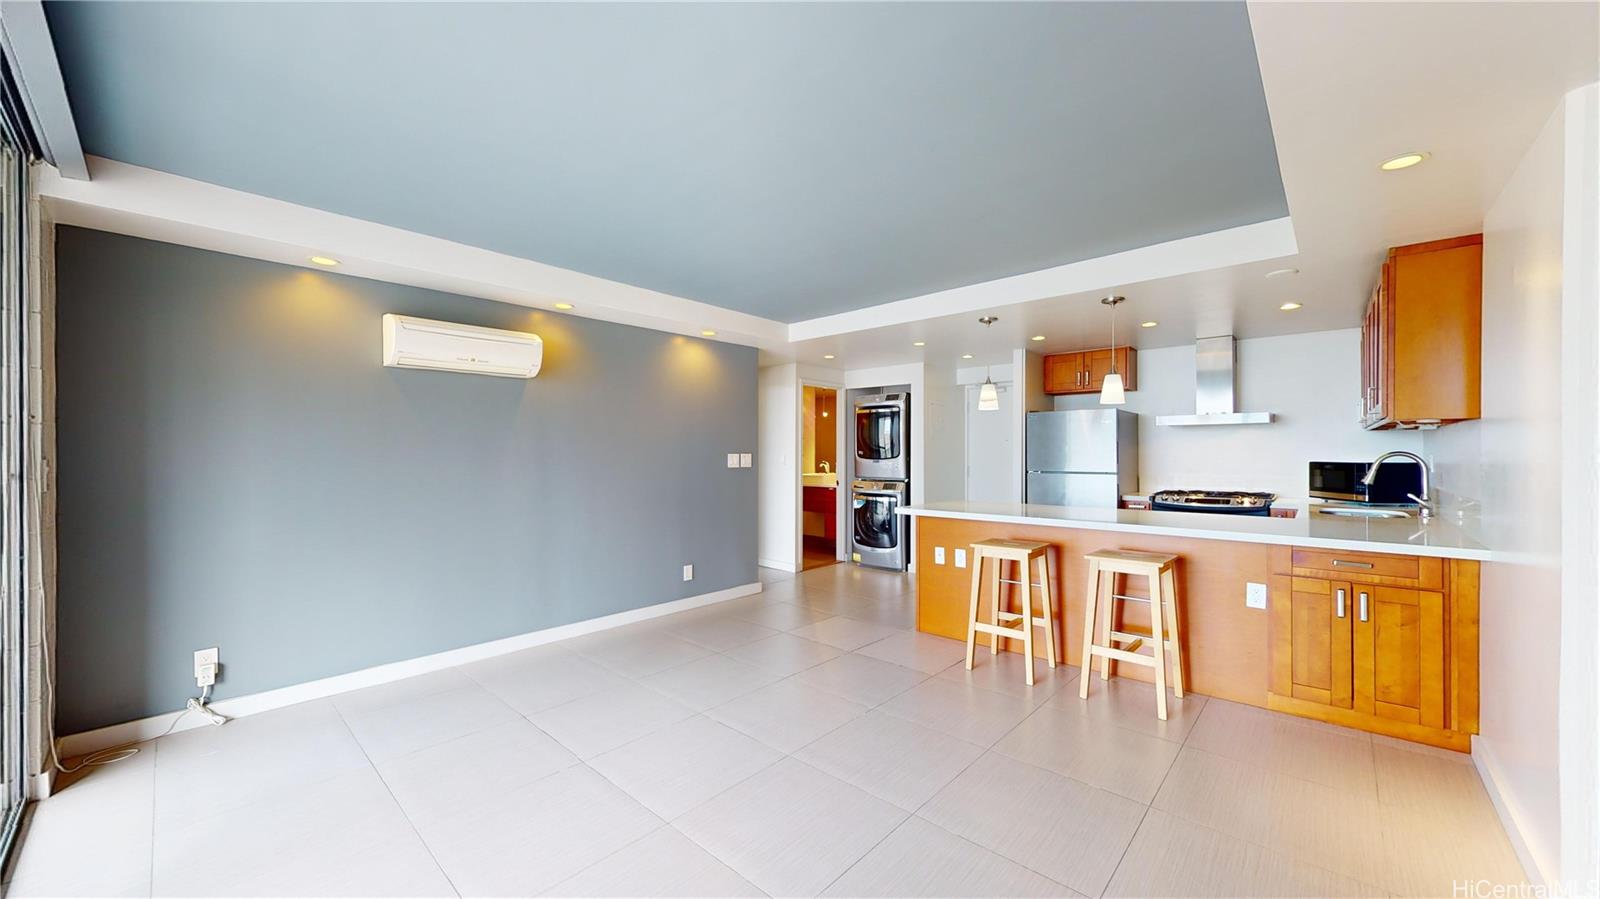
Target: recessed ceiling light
x=1289, y=307
x=563, y=306
x=328, y=261
x=1148, y=324
x=708, y=333
x=827, y=355
x=966, y=355
x=1037, y=337
x=1282, y=272
x=919, y=343
x=1403, y=161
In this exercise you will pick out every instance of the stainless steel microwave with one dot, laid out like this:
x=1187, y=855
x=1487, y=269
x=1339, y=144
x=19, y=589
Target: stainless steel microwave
x=1342, y=481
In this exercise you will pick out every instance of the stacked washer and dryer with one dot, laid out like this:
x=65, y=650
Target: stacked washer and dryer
x=881, y=480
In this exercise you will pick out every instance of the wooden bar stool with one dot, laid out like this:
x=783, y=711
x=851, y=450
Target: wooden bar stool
x=1101, y=639
x=1003, y=622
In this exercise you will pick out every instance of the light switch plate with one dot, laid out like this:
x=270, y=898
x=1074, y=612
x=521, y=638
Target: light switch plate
x=961, y=558
x=938, y=555
x=1255, y=596
x=688, y=572
x=733, y=460
x=744, y=460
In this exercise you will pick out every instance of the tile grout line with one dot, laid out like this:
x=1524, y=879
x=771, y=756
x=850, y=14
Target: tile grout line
x=1122, y=859
x=396, y=800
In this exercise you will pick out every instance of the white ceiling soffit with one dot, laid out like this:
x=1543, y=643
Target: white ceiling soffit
x=141, y=202
x=1235, y=246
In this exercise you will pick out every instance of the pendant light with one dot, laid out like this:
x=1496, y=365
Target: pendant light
x=1111, y=388
x=988, y=394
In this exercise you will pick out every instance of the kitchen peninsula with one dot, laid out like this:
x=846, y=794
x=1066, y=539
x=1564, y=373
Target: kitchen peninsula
x=1368, y=623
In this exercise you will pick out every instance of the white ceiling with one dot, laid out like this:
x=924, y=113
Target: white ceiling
x=1348, y=85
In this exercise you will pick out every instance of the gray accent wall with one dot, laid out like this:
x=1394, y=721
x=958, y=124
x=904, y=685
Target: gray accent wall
x=237, y=469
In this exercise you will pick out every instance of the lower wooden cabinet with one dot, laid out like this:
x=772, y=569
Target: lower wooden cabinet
x=1391, y=652
x=1319, y=652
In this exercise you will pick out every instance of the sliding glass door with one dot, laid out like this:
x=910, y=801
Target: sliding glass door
x=14, y=435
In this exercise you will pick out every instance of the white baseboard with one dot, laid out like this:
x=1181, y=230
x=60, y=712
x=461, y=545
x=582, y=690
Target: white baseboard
x=74, y=745
x=1489, y=772
x=781, y=566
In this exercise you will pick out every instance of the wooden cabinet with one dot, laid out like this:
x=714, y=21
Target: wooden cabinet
x=1085, y=372
x=1421, y=337
x=1063, y=373
x=1399, y=648
x=1380, y=642
x=1319, y=656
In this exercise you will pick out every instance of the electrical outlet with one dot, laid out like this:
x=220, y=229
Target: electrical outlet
x=744, y=460
x=205, y=667
x=938, y=555
x=733, y=460
x=688, y=572
x=961, y=558
x=1255, y=596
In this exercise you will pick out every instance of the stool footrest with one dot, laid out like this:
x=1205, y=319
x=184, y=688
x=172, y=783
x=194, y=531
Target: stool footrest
x=1122, y=655
x=982, y=628
x=1019, y=583
x=1038, y=620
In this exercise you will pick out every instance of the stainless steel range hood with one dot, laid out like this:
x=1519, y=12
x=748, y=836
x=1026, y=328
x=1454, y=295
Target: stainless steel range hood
x=1213, y=389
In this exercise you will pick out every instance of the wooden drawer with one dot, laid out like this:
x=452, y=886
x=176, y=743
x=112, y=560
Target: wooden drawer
x=1369, y=568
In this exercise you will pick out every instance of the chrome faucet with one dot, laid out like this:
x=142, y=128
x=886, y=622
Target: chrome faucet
x=1425, y=501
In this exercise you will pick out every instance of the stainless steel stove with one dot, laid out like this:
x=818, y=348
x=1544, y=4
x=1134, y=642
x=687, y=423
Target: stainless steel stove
x=1228, y=502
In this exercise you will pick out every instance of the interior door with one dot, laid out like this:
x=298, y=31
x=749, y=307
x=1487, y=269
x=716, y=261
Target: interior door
x=1319, y=641
x=1399, y=654
x=989, y=450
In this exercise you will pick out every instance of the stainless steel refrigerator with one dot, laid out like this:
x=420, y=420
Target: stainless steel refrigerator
x=1087, y=457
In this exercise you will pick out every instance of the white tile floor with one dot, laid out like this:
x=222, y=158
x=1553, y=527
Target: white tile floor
x=804, y=741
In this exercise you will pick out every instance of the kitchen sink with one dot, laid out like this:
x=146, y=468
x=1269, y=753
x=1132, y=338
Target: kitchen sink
x=1357, y=512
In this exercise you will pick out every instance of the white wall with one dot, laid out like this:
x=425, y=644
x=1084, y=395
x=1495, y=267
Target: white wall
x=946, y=453
x=1511, y=464
x=778, y=467
x=1313, y=383
x=1580, y=466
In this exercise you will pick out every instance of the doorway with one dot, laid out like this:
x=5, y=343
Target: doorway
x=990, y=448
x=819, y=476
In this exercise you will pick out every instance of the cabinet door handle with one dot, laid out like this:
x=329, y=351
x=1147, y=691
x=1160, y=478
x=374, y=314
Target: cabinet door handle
x=1363, y=607
x=1338, y=603
x=1342, y=563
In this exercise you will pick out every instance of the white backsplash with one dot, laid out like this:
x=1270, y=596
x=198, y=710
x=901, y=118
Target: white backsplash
x=1312, y=383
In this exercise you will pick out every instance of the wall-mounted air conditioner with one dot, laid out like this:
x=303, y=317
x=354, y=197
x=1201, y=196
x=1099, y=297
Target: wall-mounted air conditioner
x=410, y=342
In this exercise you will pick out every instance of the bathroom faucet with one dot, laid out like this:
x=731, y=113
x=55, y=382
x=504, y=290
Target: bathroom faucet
x=825, y=467
x=1425, y=501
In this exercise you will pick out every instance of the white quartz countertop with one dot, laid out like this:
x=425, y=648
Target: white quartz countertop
x=1441, y=538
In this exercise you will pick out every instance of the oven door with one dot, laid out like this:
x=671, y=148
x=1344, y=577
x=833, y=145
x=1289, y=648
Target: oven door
x=876, y=534
x=881, y=450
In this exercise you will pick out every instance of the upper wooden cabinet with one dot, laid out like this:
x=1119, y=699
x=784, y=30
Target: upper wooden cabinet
x=1086, y=371
x=1421, y=338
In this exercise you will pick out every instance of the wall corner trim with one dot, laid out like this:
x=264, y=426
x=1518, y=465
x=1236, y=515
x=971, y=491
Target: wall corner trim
x=1483, y=759
x=141, y=729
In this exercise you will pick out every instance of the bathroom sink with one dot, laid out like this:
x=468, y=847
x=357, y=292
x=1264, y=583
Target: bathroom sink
x=819, y=479
x=1358, y=512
